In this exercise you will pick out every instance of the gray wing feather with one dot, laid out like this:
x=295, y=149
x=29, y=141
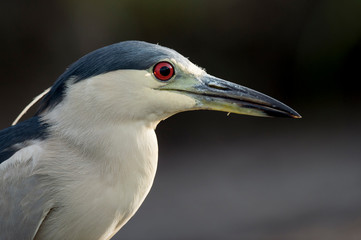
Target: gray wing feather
x=24, y=203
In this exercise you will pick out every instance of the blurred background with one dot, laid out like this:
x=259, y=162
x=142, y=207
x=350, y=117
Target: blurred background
x=219, y=176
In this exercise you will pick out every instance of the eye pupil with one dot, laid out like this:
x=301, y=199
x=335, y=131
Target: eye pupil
x=163, y=71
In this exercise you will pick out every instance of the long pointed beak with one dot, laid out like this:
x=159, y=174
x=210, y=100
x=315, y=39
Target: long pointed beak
x=212, y=93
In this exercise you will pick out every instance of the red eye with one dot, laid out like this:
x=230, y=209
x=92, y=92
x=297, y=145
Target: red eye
x=163, y=71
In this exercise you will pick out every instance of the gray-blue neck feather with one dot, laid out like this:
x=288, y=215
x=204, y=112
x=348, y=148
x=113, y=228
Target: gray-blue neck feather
x=31, y=129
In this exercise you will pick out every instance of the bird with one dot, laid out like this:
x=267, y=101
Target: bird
x=82, y=165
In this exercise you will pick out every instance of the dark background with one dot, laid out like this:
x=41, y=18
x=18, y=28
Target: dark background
x=220, y=177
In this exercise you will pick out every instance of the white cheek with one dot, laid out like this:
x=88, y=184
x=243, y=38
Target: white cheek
x=163, y=104
x=122, y=95
x=134, y=92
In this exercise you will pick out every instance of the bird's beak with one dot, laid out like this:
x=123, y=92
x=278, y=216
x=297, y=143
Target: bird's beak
x=213, y=93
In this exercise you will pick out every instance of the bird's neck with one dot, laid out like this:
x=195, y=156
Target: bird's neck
x=123, y=148
x=120, y=159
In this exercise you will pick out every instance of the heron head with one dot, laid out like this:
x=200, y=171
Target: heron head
x=136, y=80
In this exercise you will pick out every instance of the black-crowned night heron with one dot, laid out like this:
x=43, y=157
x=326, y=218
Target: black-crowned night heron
x=82, y=166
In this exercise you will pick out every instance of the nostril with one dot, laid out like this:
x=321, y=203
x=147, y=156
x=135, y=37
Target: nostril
x=219, y=87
